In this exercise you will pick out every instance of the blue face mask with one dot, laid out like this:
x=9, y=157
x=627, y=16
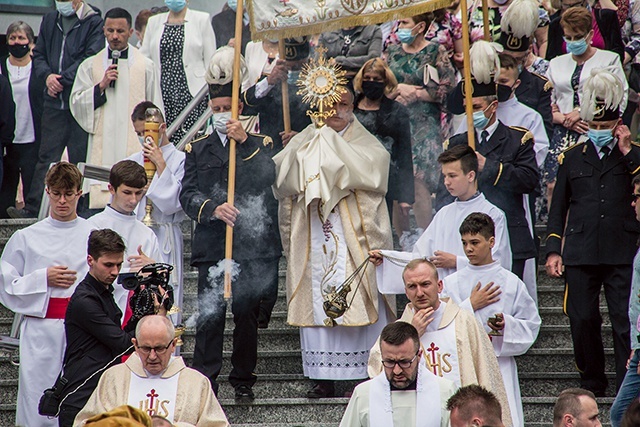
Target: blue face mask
x=65, y=8
x=480, y=121
x=175, y=5
x=405, y=36
x=577, y=47
x=600, y=137
x=233, y=4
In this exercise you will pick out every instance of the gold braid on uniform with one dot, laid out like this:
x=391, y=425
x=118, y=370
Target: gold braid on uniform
x=202, y=207
x=189, y=147
x=252, y=155
x=561, y=155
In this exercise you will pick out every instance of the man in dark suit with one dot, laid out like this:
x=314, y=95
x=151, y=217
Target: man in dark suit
x=506, y=165
x=224, y=26
x=256, y=243
x=591, y=214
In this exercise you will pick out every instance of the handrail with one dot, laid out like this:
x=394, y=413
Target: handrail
x=199, y=124
x=179, y=121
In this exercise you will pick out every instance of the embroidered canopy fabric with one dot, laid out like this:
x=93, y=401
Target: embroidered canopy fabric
x=293, y=18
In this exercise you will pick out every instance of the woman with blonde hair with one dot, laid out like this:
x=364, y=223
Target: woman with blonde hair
x=388, y=120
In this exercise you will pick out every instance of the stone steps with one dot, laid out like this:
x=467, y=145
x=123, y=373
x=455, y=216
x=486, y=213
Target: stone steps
x=546, y=369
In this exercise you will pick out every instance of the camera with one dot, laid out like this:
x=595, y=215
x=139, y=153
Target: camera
x=152, y=276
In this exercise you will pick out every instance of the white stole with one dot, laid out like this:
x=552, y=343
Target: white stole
x=441, y=352
x=328, y=259
x=154, y=396
x=428, y=409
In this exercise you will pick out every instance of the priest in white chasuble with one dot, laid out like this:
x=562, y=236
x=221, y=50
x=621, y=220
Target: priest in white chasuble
x=156, y=382
x=331, y=183
x=107, y=87
x=454, y=344
x=499, y=300
x=406, y=394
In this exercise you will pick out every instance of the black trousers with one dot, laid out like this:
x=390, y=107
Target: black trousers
x=517, y=267
x=254, y=276
x=582, y=291
x=19, y=160
x=59, y=130
x=67, y=415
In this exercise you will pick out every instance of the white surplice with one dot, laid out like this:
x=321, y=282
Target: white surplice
x=167, y=214
x=111, y=134
x=522, y=321
x=134, y=233
x=23, y=272
x=443, y=235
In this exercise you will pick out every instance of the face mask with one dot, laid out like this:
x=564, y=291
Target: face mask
x=500, y=2
x=18, y=50
x=233, y=4
x=600, y=137
x=520, y=68
x=220, y=121
x=141, y=140
x=577, y=47
x=373, y=90
x=175, y=5
x=480, y=121
x=293, y=76
x=405, y=36
x=65, y=8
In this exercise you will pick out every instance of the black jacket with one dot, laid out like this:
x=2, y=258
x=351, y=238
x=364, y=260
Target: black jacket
x=204, y=187
x=94, y=338
x=534, y=91
x=591, y=207
x=7, y=115
x=224, y=27
x=607, y=21
x=269, y=108
x=56, y=53
x=510, y=171
x=36, y=93
x=393, y=129
x=365, y=44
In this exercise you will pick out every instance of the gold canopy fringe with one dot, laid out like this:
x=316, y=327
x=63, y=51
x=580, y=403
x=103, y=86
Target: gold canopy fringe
x=343, y=22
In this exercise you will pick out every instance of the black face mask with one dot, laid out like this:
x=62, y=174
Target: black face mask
x=373, y=90
x=18, y=50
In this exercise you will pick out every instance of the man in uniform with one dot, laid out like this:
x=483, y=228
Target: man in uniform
x=256, y=245
x=506, y=159
x=40, y=268
x=592, y=231
x=406, y=393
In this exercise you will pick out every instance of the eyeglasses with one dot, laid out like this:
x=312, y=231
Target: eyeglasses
x=68, y=195
x=404, y=364
x=159, y=350
x=635, y=197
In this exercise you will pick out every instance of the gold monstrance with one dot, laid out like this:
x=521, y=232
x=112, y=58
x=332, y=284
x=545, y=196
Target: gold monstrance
x=152, y=121
x=321, y=86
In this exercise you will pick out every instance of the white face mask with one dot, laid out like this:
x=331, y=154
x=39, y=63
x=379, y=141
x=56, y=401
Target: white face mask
x=220, y=121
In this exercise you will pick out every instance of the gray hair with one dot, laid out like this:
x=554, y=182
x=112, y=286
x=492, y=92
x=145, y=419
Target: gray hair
x=16, y=26
x=171, y=331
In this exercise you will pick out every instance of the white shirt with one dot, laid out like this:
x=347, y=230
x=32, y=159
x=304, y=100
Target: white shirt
x=19, y=78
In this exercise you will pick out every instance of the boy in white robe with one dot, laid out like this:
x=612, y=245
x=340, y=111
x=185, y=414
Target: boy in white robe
x=40, y=268
x=127, y=182
x=164, y=194
x=105, y=90
x=406, y=393
x=440, y=243
x=489, y=290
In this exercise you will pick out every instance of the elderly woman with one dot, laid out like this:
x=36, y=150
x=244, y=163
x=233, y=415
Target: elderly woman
x=567, y=73
x=21, y=157
x=424, y=102
x=389, y=121
x=180, y=43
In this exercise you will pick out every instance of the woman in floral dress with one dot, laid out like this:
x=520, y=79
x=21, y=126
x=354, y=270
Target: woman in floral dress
x=424, y=102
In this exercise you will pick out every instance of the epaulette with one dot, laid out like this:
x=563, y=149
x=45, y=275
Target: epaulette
x=267, y=141
x=571, y=147
x=188, y=147
x=445, y=145
x=547, y=83
x=528, y=136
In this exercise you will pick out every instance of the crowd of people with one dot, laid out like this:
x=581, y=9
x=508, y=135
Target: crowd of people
x=394, y=192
